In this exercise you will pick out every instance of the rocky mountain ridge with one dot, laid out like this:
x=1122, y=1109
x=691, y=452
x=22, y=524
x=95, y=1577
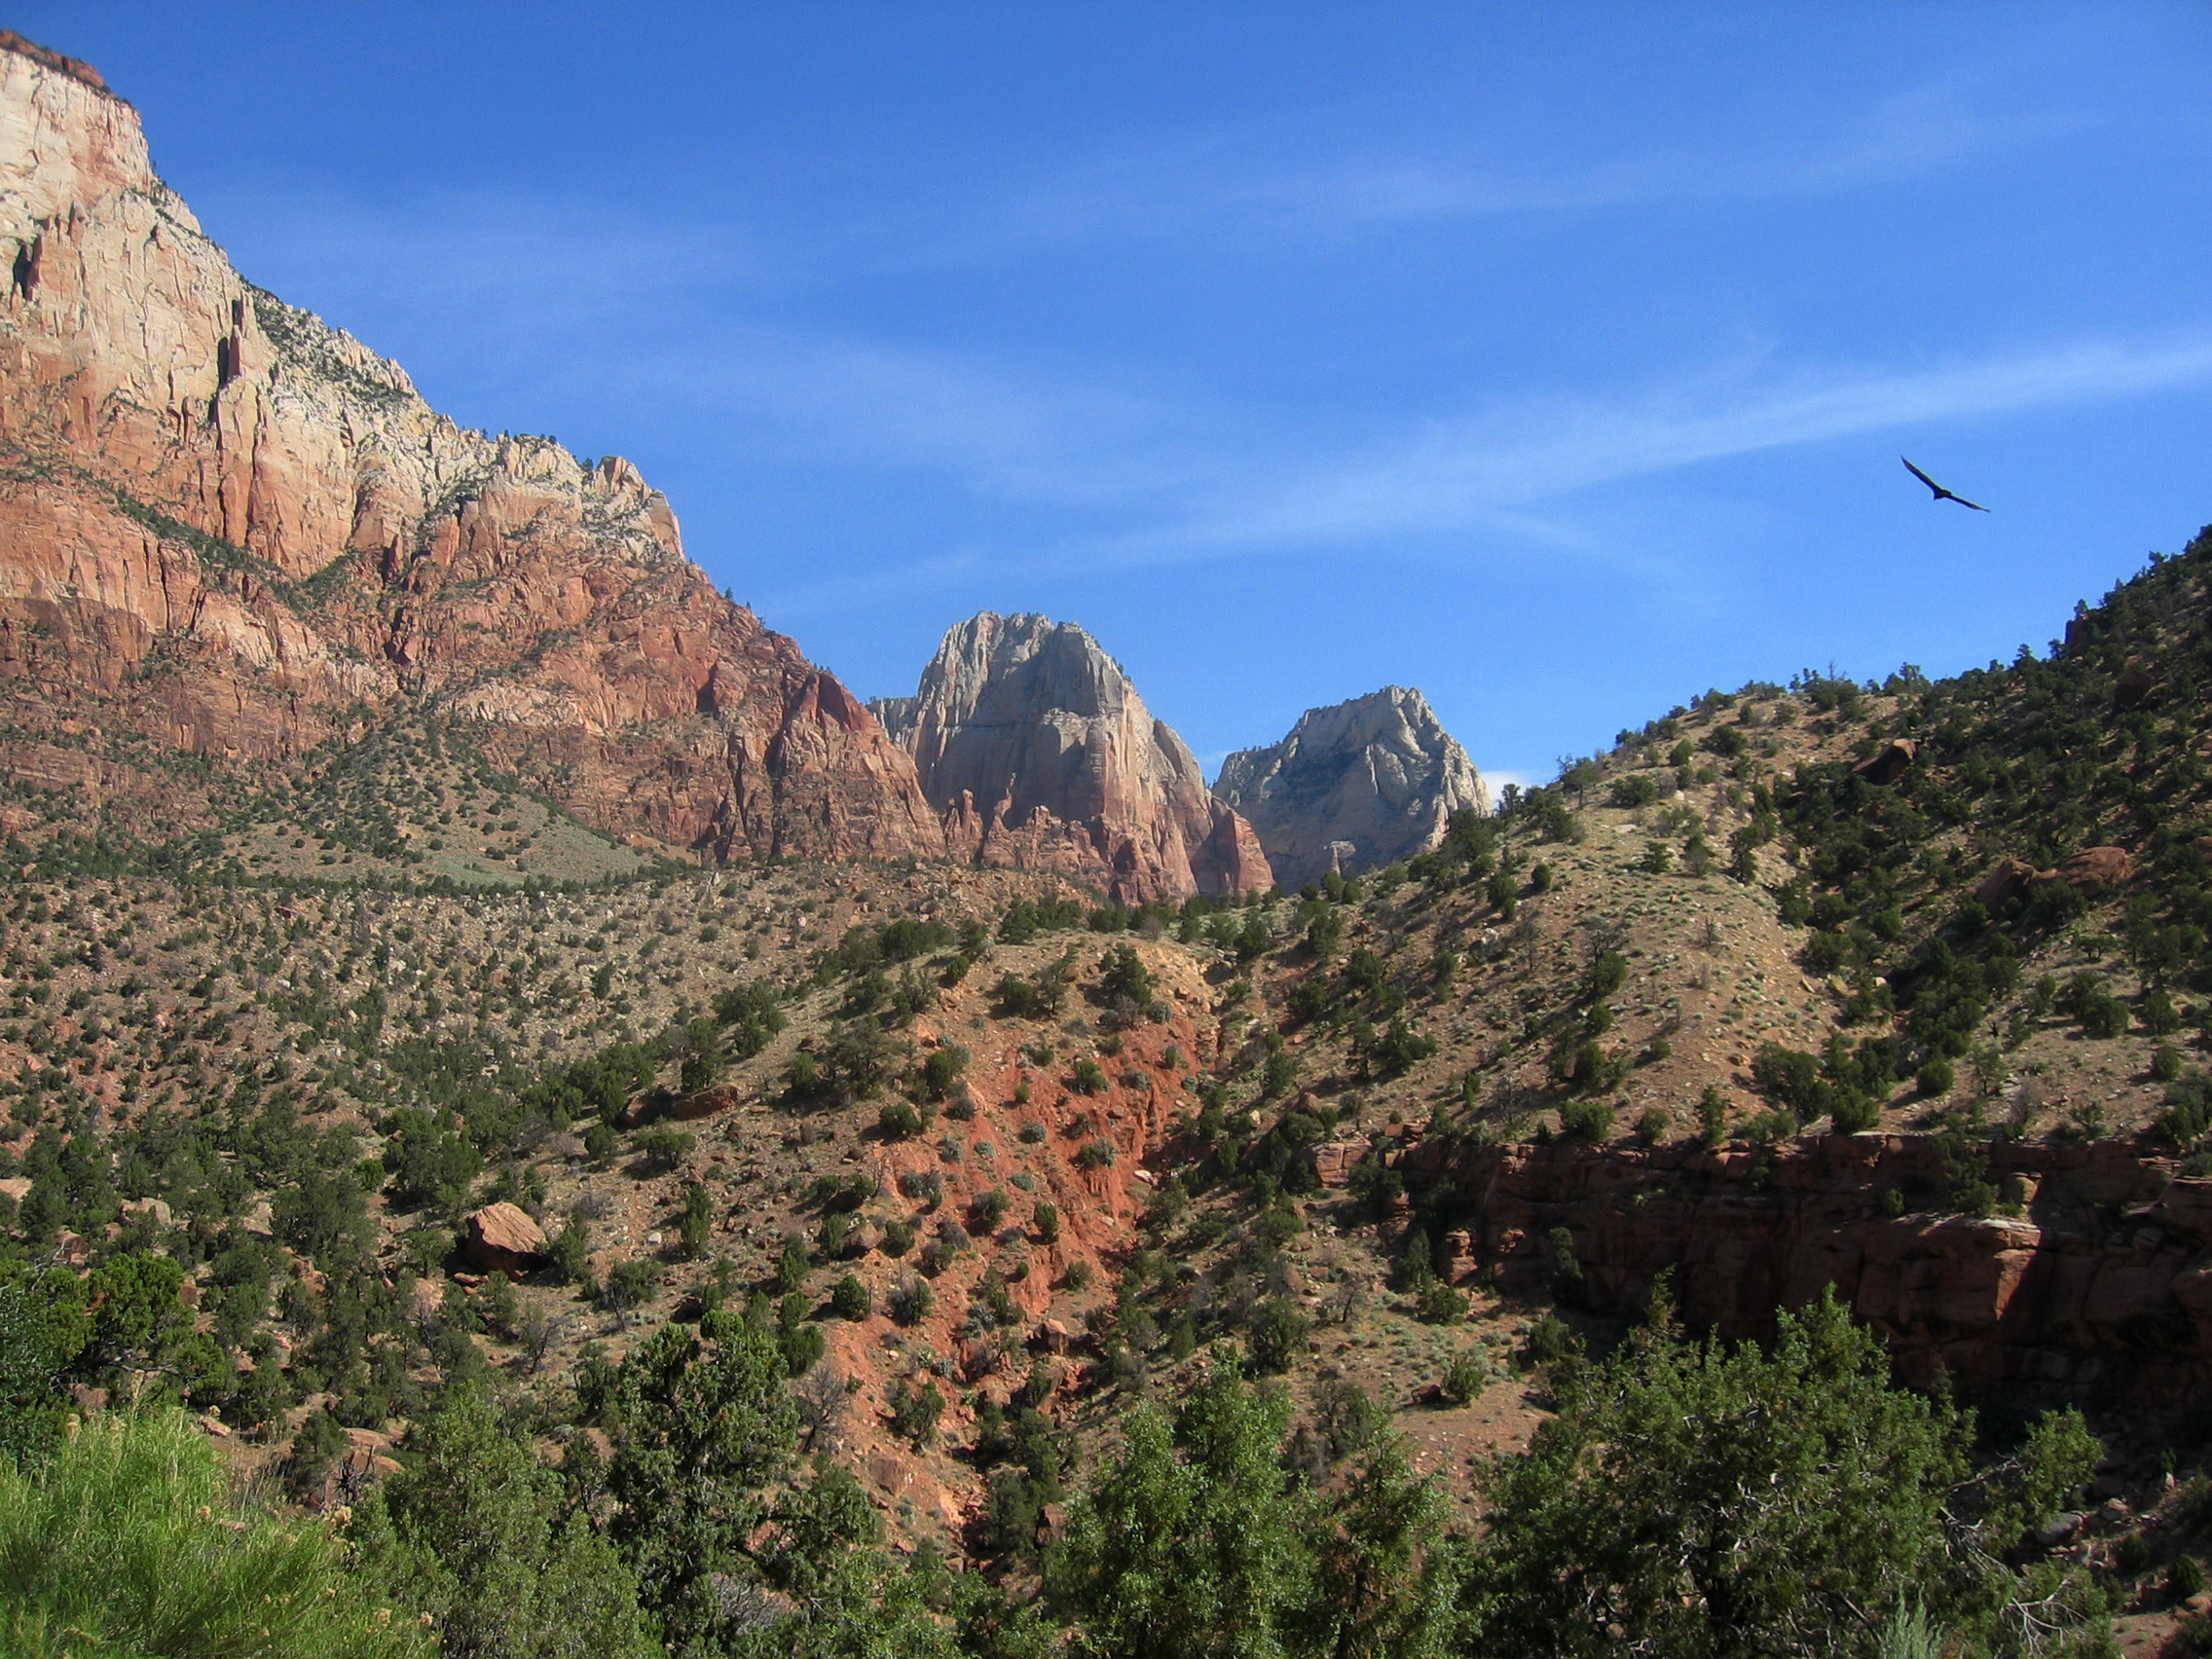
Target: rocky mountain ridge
x=1353, y=786
x=1037, y=749
x=233, y=531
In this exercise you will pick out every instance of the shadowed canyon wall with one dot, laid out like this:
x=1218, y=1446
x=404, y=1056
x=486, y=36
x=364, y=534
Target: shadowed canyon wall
x=2099, y=1289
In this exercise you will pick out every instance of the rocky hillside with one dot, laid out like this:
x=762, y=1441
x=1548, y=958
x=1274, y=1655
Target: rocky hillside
x=990, y=1163
x=232, y=533
x=1353, y=786
x=1041, y=754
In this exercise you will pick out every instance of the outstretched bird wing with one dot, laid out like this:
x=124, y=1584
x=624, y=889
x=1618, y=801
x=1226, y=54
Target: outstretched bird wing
x=1941, y=493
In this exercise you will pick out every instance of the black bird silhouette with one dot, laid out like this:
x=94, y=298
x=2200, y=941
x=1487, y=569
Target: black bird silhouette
x=1941, y=493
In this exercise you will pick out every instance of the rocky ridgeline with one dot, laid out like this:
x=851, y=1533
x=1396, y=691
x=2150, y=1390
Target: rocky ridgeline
x=1353, y=786
x=230, y=530
x=1038, y=751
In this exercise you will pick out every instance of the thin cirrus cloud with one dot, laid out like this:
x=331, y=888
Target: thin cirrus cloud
x=1227, y=178
x=1459, y=473
x=1500, y=469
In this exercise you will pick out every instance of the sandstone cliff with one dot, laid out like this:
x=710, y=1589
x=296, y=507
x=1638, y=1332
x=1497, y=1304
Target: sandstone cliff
x=229, y=529
x=1353, y=786
x=2097, y=1290
x=1042, y=755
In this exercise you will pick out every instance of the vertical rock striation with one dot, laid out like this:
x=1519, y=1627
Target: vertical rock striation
x=229, y=529
x=1041, y=754
x=1354, y=785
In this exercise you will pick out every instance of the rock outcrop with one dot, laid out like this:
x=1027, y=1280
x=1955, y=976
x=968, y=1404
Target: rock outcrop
x=2099, y=1288
x=1041, y=754
x=1353, y=786
x=502, y=1238
x=229, y=529
x=2092, y=867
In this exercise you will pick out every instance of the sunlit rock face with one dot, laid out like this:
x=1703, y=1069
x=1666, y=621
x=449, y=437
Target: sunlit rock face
x=1353, y=786
x=1038, y=751
x=230, y=529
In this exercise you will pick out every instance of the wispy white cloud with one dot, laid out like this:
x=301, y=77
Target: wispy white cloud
x=1507, y=474
x=1457, y=472
x=1229, y=181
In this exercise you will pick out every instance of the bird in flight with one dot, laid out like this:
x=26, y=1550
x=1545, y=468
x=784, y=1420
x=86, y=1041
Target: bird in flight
x=1941, y=493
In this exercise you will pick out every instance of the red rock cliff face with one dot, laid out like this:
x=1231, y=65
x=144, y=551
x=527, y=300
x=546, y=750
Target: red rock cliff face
x=1042, y=755
x=236, y=531
x=2100, y=1290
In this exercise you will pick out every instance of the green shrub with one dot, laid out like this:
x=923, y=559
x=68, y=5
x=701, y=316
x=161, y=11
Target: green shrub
x=1045, y=1219
x=944, y=1068
x=1935, y=1078
x=2185, y=1578
x=2101, y=1014
x=1464, y=1377
x=1855, y=1112
x=1439, y=1303
x=664, y=1148
x=910, y=1300
x=1608, y=972
x=850, y=1298
x=131, y=1541
x=1278, y=1333
x=1712, y=1116
x=571, y=1253
x=914, y=1412
x=900, y=1119
x=1589, y=1120
x=792, y=1266
x=1550, y=1342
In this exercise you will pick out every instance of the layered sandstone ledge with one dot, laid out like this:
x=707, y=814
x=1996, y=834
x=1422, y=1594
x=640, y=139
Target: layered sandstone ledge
x=2098, y=1290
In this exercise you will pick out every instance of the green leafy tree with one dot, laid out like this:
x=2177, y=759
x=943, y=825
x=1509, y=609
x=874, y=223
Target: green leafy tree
x=705, y=1432
x=1125, y=976
x=1693, y=1498
x=1193, y=1542
x=479, y=1533
x=43, y=1329
x=1279, y=1332
x=1386, y=1570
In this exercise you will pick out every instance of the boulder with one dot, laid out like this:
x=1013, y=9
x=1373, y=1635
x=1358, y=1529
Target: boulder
x=1890, y=763
x=704, y=1105
x=2093, y=867
x=2133, y=689
x=2007, y=877
x=1335, y=1161
x=501, y=1238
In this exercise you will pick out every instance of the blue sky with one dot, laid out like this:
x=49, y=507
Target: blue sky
x=1553, y=360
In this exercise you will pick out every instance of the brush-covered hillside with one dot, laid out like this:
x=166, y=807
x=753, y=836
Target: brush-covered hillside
x=372, y=1114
